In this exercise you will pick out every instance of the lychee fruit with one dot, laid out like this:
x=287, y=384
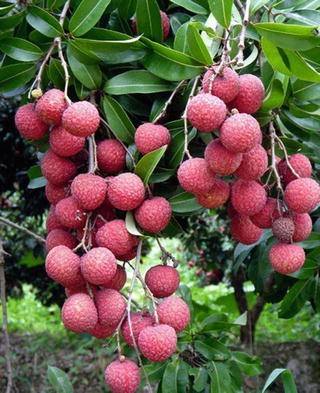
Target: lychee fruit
x=240, y=133
x=162, y=280
x=286, y=258
x=283, y=229
x=217, y=196
x=81, y=119
x=60, y=237
x=206, y=112
x=126, y=191
x=195, y=177
x=129, y=255
x=89, y=190
x=55, y=193
x=254, y=164
x=302, y=227
x=79, y=313
x=220, y=160
x=65, y=144
x=122, y=376
x=300, y=163
x=111, y=156
x=98, y=266
x=102, y=332
x=106, y=211
x=165, y=24
x=28, y=123
x=154, y=214
x=118, y=280
x=265, y=217
x=157, y=343
x=57, y=170
x=52, y=221
x=244, y=231
x=110, y=305
x=139, y=321
x=70, y=214
x=226, y=85
x=73, y=290
x=51, y=106
x=173, y=311
x=248, y=197
x=302, y=195
x=149, y=137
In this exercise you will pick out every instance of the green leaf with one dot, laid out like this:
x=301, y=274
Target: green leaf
x=220, y=378
x=20, y=49
x=183, y=202
x=6, y=8
x=176, y=147
x=197, y=48
x=87, y=14
x=9, y=22
x=288, y=381
x=191, y=6
x=34, y=172
x=136, y=81
x=82, y=91
x=275, y=96
x=222, y=11
x=56, y=73
x=59, y=380
x=181, y=40
x=250, y=365
x=169, y=379
x=131, y=225
x=148, y=19
x=305, y=17
x=148, y=164
x=38, y=182
x=15, y=75
x=304, y=91
x=44, y=22
x=200, y=379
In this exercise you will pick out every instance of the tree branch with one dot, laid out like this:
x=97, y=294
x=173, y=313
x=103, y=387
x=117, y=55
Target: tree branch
x=5, y=221
x=242, y=36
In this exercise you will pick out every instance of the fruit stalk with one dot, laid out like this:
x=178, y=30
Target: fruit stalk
x=245, y=23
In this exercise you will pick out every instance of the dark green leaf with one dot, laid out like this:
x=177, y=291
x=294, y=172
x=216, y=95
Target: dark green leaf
x=6, y=8
x=176, y=147
x=191, y=6
x=59, y=380
x=82, y=91
x=34, y=172
x=44, y=22
x=250, y=365
x=197, y=48
x=9, y=22
x=222, y=11
x=184, y=203
x=169, y=379
x=56, y=73
x=275, y=95
x=181, y=40
x=200, y=380
x=305, y=91
x=20, y=49
x=295, y=299
x=15, y=75
x=148, y=19
x=220, y=378
x=148, y=164
x=288, y=381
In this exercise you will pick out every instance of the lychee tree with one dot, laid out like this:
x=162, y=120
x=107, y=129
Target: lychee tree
x=144, y=117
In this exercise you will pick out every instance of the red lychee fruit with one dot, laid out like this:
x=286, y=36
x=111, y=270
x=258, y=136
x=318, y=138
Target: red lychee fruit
x=302, y=227
x=123, y=376
x=240, y=133
x=73, y=290
x=217, y=196
x=28, y=123
x=139, y=321
x=149, y=137
x=157, y=343
x=89, y=190
x=60, y=237
x=51, y=106
x=106, y=211
x=254, y=164
x=81, y=119
x=162, y=280
x=265, y=217
x=206, y=112
x=195, y=177
x=173, y=311
x=65, y=144
x=248, y=197
x=111, y=306
x=283, y=229
x=302, y=195
x=126, y=191
x=55, y=193
x=111, y=156
x=98, y=266
x=154, y=214
x=118, y=280
x=226, y=85
x=102, y=332
x=70, y=214
x=165, y=24
x=220, y=160
x=79, y=313
x=244, y=231
x=52, y=221
x=57, y=170
x=286, y=258
x=250, y=96
x=63, y=266
x=300, y=163
x=129, y=255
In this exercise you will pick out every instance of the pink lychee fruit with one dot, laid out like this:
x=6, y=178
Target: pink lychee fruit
x=286, y=258
x=81, y=119
x=283, y=229
x=154, y=214
x=217, y=196
x=244, y=231
x=302, y=195
x=301, y=165
x=28, y=123
x=122, y=376
x=102, y=332
x=57, y=170
x=248, y=197
x=195, y=177
x=173, y=311
x=302, y=227
x=118, y=280
x=149, y=137
x=60, y=237
x=139, y=321
x=55, y=193
x=89, y=190
x=128, y=256
x=65, y=144
x=162, y=280
x=225, y=85
x=70, y=214
x=254, y=164
x=98, y=266
x=52, y=221
x=110, y=305
x=51, y=106
x=265, y=217
x=111, y=156
x=73, y=290
x=220, y=160
x=106, y=211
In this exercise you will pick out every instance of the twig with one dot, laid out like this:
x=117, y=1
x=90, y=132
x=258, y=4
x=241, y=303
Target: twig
x=83, y=242
x=240, y=6
x=166, y=254
x=245, y=23
x=283, y=148
x=93, y=166
x=39, y=238
x=274, y=168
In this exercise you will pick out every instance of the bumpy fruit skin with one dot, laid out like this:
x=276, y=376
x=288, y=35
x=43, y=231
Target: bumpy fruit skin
x=302, y=195
x=250, y=96
x=254, y=164
x=60, y=237
x=111, y=156
x=240, y=133
x=55, y=193
x=162, y=280
x=265, y=217
x=57, y=170
x=195, y=177
x=300, y=163
x=157, y=343
x=248, y=197
x=244, y=231
x=63, y=143
x=118, y=280
x=102, y=332
x=220, y=160
x=139, y=321
x=52, y=221
x=123, y=376
x=89, y=190
x=225, y=86
x=206, y=112
x=28, y=123
x=283, y=229
x=63, y=266
x=154, y=214
x=81, y=119
x=149, y=137
x=51, y=106
x=98, y=266
x=126, y=191
x=217, y=196
x=174, y=312
x=111, y=306
x=70, y=214
x=302, y=227
x=79, y=313
x=286, y=258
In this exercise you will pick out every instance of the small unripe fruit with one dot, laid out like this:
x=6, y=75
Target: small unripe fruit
x=60, y=237
x=250, y=96
x=28, y=123
x=89, y=190
x=265, y=217
x=51, y=106
x=225, y=86
x=283, y=229
x=57, y=170
x=174, y=312
x=301, y=165
x=139, y=321
x=36, y=93
x=195, y=177
x=154, y=214
x=111, y=306
x=217, y=196
x=98, y=266
x=149, y=137
x=286, y=258
x=123, y=376
x=55, y=193
x=111, y=156
x=254, y=164
x=70, y=214
x=63, y=143
x=162, y=280
x=81, y=119
x=302, y=195
x=52, y=221
x=102, y=332
x=118, y=280
x=244, y=231
x=220, y=160
x=302, y=227
x=248, y=197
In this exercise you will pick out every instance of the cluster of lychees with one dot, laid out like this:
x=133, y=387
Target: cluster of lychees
x=238, y=151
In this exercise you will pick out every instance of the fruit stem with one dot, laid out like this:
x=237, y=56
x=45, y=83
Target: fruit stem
x=82, y=244
x=39, y=238
x=242, y=36
x=283, y=148
x=166, y=254
x=92, y=155
x=274, y=168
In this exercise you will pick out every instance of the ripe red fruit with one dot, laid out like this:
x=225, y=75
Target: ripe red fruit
x=139, y=321
x=286, y=258
x=98, y=266
x=118, y=280
x=105, y=210
x=254, y=164
x=217, y=196
x=174, y=312
x=250, y=96
x=60, y=237
x=81, y=119
x=162, y=280
x=51, y=106
x=302, y=227
x=70, y=214
x=300, y=163
x=111, y=156
x=157, y=343
x=302, y=195
x=248, y=197
x=206, y=112
x=52, y=221
x=195, y=177
x=63, y=143
x=28, y=123
x=126, y=191
x=57, y=170
x=244, y=231
x=154, y=214
x=55, y=193
x=89, y=190
x=149, y=137
x=111, y=306
x=123, y=376
x=225, y=86
x=220, y=160
x=102, y=332
x=283, y=229
x=79, y=313
x=265, y=217
x=240, y=133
